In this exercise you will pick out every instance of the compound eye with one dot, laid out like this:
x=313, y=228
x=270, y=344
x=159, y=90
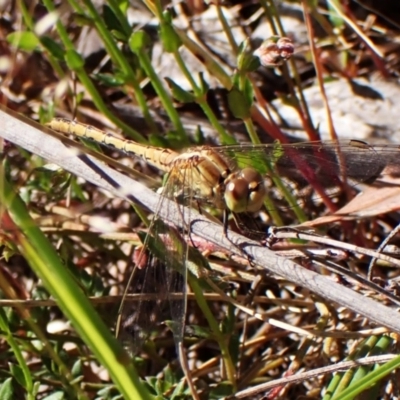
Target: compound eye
x=256, y=188
x=236, y=194
x=251, y=175
x=256, y=196
x=246, y=192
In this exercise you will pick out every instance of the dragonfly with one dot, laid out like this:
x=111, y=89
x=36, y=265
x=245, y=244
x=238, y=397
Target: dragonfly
x=237, y=179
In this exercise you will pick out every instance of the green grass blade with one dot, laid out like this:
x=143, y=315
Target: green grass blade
x=59, y=282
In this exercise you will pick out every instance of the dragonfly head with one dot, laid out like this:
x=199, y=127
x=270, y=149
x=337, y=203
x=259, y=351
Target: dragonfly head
x=244, y=191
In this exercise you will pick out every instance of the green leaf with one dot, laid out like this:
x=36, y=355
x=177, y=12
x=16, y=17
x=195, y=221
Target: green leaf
x=170, y=376
x=82, y=19
x=52, y=47
x=248, y=92
x=238, y=104
x=224, y=389
x=138, y=41
x=251, y=63
x=23, y=40
x=159, y=141
x=161, y=386
x=40, y=293
x=246, y=61
x=4, y=322
x=179, y=390
x=55, y=396
x=123, y=5
x=36, y=387
x=199, y=136
x=234, y=347
x=334, y=17
x=170, y=38
x=198, y=331
x=111, y=80
x=106, y=393
x=74, y=60
x=167, y=17
x=77, y=368
x=7, y=390
x=18, y=374
x=179, y=93
x=203, y=84
x=242, y=53
x=113, y=24
x=111, y=19
x=119, y=35
x=46, y=112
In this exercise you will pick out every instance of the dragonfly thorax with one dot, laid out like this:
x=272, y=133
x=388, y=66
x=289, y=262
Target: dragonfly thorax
x=208, y=172
x=244, y=191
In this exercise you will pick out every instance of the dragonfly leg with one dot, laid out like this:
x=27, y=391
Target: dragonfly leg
x=225, y=219
x=189, y=230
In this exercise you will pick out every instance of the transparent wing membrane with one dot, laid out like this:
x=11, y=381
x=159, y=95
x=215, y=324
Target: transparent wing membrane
x=163, y=280
x=162, y=283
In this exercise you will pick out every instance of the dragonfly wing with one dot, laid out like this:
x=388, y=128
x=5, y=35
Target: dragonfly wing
x=361, y=161
x=318, y=166
x=162, y=279
x=140, y=319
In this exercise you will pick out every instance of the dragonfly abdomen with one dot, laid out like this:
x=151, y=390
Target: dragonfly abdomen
x=158, y=157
